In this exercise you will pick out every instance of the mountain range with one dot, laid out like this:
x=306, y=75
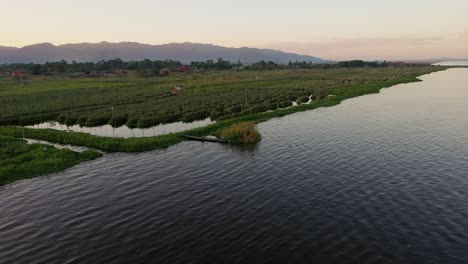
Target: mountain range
x=127, y=51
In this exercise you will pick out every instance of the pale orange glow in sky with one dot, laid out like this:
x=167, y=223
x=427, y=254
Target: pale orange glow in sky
x=333, y=29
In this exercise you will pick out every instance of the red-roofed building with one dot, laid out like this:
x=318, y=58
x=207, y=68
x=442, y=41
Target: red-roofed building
x=17, y=74
x=184, y=68
x=120, y=72
x=98, y=74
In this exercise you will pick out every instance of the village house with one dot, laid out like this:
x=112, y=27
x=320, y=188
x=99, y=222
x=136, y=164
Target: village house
x=17, y=74
x=176, y=90
x=120, y=72
x=184, y=68
x=164, y=71
x=98, y=74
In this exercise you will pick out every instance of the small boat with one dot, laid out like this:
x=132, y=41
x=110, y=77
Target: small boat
x=203, y=139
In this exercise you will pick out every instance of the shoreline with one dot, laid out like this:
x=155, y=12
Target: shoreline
x=21, y=160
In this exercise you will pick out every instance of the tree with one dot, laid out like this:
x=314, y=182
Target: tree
x=36, y=69
x=60, y=66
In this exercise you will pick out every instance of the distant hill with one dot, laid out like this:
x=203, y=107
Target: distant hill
x=184, y=52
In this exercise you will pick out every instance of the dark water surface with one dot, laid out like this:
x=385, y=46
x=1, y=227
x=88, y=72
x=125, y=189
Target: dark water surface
x=378, y=179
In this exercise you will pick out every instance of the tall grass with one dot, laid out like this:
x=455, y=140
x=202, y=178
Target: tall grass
x=240, y=133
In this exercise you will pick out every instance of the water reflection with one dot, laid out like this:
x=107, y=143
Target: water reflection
x=125, y=131
x=247, y=148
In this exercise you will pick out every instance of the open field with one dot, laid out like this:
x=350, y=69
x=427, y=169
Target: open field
x=219, y=87
x=146, y=102
x=19, y=160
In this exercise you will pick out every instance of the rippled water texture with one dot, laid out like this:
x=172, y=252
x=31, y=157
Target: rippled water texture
x=378, y=179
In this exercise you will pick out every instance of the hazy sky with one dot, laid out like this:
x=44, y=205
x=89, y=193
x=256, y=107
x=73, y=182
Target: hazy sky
x=332, y=29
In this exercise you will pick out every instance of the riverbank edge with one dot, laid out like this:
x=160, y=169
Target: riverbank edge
x=108, y=144
x=21, y=160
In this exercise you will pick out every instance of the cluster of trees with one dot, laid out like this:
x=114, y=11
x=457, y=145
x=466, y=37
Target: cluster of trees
x=61, y=67
x=270, y=65
x=341, y=64
x=48, y=68
x=145, y=68
x=263, y=65
x=360, y=64
x=149, y=68
x=220, y=65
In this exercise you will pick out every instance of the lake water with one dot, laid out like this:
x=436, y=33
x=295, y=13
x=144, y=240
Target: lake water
x=378, y=179
x=452, y=63
x=125, y=131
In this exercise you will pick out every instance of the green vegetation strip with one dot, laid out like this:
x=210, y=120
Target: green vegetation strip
x=19, y=160
x=158, y=142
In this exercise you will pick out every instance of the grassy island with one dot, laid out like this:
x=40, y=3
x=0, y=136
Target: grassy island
x=240, y=133
x=19, y=160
